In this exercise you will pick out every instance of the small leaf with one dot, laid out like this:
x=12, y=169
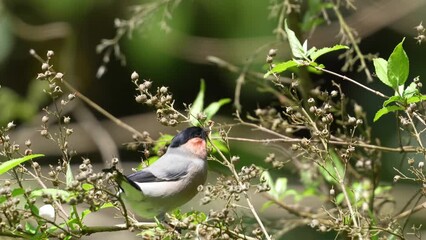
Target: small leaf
x=381, y=67
x=305, y=46
x=393, y=99
x=411, y=90
x=318, y=53
x=398, y=66
x=310, y=51
x=339, y=198
x=6, y=166
x=87, y=186
x=416, y=99
x=296, y=47
x=281, y=186
x=30, y=228
x=386, y=110
x=212, y=109
x=266, y=205
x=327, y=169
x=69, y=176
x=220, y=144
x=162, y=141
x=382, y=189
x=197, y=105
x=281, y=67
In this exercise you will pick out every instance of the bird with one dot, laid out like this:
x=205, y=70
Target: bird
x=169, y=182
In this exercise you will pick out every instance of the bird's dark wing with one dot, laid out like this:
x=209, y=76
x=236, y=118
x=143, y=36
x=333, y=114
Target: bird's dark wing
x=121, y=179
x=146, y=176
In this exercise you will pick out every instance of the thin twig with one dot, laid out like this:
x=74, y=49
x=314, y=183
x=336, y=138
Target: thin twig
x=119, y=227
x=417, y=208
x=352, y=81
x=411, y=149
x=354, y=43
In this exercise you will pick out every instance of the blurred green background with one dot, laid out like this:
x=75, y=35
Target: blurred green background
x=232, y=30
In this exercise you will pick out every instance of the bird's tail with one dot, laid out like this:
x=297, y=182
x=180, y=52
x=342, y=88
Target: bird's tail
x=121, y=179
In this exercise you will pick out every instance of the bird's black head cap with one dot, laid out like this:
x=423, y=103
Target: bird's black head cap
x=187, y=134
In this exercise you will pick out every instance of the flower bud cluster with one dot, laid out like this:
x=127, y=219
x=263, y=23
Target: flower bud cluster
x=271, y=54
x=271, y=159
x=161, y=99
x=48, y=74
x=88, y=187
x=420, y=33
x=10, y=207
x=270, y=118
x=229, y=189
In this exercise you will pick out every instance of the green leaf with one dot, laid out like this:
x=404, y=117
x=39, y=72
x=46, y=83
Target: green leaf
x=381, y=67
x=266, y=205
x=197, y=105
x=318, y=53
x=382, y=189
x=87, y=186
x=295, y=45
x=386, y=110
x=281, y=67
x=281, y=186
x=30, y=228
x=398, y=66
x=214, y=107
x=219, y=143
x=162, y=141
x=328, y=169
x=415, y=99
x=393, y=99
x=6, y=166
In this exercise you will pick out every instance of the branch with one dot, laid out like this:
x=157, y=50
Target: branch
x=411, y=211
x=412, y=149
x=119, y=227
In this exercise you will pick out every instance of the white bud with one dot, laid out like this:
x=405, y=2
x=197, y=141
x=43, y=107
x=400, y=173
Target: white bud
x=45, y=66
x=71, y=96
x=10, y=125
x=134, y=76
x=44, y=119
x=351, y=120
x=59, y=75
x=67, y=119
x=50, y=53
x=421, y=164
x=47, y=212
